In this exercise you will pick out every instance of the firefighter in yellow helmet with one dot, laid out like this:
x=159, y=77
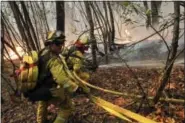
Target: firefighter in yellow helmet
x=75, y=57
x=53, y=85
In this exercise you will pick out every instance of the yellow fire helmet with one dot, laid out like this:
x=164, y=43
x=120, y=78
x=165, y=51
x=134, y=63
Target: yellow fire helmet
x=84, y=40
x=56, y=37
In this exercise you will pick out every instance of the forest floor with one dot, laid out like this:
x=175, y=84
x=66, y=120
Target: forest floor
x=113, y=78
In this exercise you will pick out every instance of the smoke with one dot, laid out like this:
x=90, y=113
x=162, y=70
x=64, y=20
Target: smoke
x=75, y=23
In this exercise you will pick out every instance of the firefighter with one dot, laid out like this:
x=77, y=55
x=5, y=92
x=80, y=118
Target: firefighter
x=75, y=57
x=54, y=86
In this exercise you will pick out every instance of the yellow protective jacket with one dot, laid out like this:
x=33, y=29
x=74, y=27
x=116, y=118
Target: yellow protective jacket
x=51, y=63
x=75, y=61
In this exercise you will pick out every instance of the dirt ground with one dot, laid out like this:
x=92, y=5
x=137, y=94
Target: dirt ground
x=119, y=79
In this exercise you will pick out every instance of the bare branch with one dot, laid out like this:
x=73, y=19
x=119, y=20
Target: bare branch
x=161, y=37
x=154, y=33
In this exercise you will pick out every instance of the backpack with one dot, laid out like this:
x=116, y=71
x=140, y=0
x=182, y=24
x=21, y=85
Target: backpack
x=28, y=72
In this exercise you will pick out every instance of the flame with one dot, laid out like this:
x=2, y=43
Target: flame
x=127, y=35
x=127, y=32
x=13, y=55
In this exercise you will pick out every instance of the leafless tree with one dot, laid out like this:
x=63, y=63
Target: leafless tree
x=172, y=53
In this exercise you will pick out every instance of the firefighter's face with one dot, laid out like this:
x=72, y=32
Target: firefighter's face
x=57, y=48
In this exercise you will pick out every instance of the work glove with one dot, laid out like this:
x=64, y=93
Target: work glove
x=58, y=93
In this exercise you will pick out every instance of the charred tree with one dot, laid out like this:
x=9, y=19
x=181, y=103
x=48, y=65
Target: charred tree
x=60, y=11
x=106, y=33
x=173, y=52
x=92, y=37
x=30, y=30
x=148, y=20
x=102, y=20
x=112, y=31
x=45, y=17
x=24, y=25
x=155, y=7
x=18, y=18
x=2, y=45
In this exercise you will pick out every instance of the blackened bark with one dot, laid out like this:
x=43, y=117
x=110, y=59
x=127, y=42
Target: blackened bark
x=173, y=52
x=148, y=20
x=99, y=21
x=2, y=45
x=30, y=30
x=92, y=37
x=60, y=10
x=45, y=17
x=112, y=32
x=19, y=22
x=155, y=7
x=106, y=33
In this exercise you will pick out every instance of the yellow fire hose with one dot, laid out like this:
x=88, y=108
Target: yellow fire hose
x=109, y=107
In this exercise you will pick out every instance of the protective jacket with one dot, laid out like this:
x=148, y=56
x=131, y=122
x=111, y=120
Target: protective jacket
x=76, y=62
x=52, y=75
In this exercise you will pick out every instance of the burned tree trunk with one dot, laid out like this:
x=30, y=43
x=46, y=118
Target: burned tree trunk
x=19, y=18
x=29, y=27
x=60, y=15
x=2, y=45
x=173, y=52
x=24, y=25
x=101, y=24
x=106, y=33
x=45, y=17
x=92, y=37
x=155, y=7
x=112, y=31
x=2, y=54
x=148, y=20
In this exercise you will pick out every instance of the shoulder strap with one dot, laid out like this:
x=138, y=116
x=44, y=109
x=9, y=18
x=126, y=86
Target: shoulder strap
x=42, y=52
x=43, y=58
